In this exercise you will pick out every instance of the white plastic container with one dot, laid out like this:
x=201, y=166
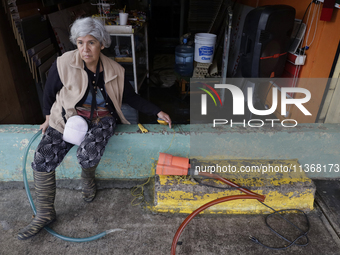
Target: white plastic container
x=204, y=47
x=123, y=18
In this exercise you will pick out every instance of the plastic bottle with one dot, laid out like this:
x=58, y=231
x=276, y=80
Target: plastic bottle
x=184, y=58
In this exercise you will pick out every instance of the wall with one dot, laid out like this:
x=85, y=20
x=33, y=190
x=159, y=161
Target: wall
x=320, y=56
x=9, y=101
x=19, y=102
x=132, y=155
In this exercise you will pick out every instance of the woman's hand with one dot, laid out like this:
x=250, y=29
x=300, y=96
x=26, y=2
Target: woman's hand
x=162, y=115
x=44, y=126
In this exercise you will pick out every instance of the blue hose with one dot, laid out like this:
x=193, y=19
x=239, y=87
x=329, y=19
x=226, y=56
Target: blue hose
x=49, y=230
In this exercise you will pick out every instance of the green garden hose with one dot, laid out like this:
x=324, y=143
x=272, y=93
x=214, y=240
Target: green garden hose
x=49, y=230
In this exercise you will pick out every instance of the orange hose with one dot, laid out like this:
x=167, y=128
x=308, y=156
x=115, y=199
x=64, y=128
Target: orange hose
x=250, y=195
x=232, y=184
x=202, y=208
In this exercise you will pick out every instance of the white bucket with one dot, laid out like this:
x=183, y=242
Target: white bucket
x=204, y=47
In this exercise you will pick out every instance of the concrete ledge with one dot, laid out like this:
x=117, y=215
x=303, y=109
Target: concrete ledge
x=312, y=144
x=131, y=155
x=283, y=190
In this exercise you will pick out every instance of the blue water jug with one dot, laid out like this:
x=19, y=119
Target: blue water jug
x=184, y=58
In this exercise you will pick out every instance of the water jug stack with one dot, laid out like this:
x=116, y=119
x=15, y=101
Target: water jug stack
x=184, y=58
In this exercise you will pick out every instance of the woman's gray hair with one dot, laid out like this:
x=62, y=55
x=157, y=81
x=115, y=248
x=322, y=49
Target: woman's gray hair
x=90, y=26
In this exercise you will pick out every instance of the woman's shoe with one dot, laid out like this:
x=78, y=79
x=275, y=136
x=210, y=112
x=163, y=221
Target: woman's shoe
x=45, y=189
x=88, y=183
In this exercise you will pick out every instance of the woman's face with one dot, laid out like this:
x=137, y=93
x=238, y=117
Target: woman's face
x=89, y=48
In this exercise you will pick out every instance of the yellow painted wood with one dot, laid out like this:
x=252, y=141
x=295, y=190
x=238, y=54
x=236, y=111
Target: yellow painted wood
x=124, y=59
x=330, y=104
x=333, y=113
x=326, y=105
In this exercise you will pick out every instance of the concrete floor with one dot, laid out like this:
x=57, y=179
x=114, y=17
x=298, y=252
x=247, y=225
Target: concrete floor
x=148, y=233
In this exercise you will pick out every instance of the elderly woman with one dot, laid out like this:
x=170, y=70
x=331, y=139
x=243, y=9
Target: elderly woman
x=85, y=83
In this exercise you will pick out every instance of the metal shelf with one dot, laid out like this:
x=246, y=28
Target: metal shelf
x=143, y=68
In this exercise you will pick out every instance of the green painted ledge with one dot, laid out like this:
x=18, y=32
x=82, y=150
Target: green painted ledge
x=131, y=154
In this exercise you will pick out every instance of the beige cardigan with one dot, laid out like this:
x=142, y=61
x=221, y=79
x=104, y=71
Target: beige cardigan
x=75, y=81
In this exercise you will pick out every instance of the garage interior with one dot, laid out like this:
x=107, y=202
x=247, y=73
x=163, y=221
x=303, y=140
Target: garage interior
x=26, y=24
x=166, y=29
